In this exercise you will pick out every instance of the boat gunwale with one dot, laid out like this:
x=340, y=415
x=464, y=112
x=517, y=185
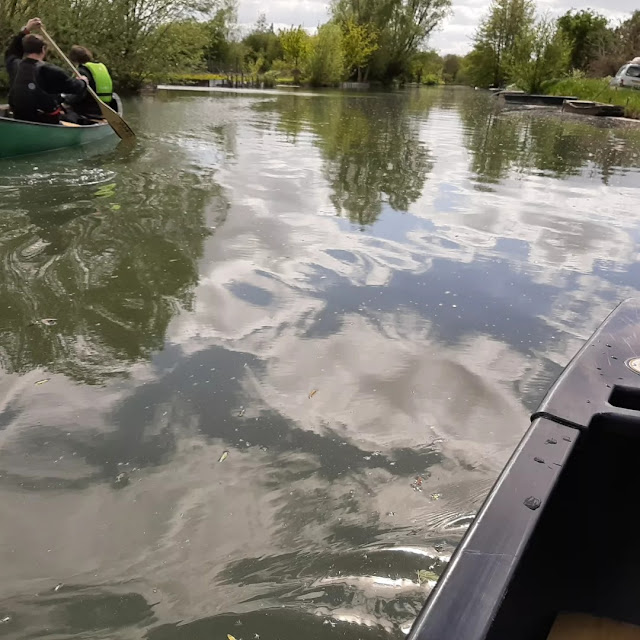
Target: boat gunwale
x=55, y=126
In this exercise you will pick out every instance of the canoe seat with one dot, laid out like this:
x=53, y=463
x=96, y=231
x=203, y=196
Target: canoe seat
x=579, y=626
x=74, y=124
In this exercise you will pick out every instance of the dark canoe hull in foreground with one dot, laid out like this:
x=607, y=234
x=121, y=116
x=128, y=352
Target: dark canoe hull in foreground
x=20, y=138
x=555, y=550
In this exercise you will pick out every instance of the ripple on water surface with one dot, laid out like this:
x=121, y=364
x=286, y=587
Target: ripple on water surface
x=260, y=371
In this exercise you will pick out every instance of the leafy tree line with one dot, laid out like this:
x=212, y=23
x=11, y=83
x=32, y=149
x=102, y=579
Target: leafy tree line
x=148, y=40
x=515, y=44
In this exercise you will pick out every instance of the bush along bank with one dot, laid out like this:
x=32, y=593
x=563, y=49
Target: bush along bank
x=598, y=90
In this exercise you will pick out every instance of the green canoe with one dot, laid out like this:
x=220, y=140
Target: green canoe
x=19, y=138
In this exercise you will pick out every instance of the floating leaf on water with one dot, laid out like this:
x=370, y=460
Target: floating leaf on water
x=43, y=381
x=115, y=207
x=230, y=637
x=49, y=322
x=106, y=191
x=436, y=496
x=312, y=393
x=224, y=456
x=427, y=576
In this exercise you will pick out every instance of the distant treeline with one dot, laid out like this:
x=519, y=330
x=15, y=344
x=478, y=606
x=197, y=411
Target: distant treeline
x=515, y=44
x=150, y=40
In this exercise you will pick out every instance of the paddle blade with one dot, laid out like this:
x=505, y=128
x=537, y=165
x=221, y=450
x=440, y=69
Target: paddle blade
x=118, y=124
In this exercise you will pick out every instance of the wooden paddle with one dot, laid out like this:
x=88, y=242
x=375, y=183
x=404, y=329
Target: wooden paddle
x=122, y=129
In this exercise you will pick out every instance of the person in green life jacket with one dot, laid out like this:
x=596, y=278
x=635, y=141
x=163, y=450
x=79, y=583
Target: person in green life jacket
x=99, y=80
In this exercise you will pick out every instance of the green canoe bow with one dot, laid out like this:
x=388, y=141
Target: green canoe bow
x=19, y=138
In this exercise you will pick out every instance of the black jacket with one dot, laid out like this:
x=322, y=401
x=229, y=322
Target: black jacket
x=35, y=92
x=13, y=55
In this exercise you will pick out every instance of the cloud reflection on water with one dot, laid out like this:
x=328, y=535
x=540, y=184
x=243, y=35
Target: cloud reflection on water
x=429, y=307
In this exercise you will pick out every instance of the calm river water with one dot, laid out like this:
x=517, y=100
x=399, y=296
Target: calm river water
x=289, y=343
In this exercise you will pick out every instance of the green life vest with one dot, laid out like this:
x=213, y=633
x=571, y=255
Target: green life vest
x=104, y=84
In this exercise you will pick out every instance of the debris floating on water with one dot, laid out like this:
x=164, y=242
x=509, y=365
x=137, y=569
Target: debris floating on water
x=416, y=485
x=49, y=322
x=436, y=496
x=230, y=637
x=122, y=480
x=224, y=456
x=58, y=586
x=426, y=576
x=43, y=381
x=312, y=393
x=5, y=619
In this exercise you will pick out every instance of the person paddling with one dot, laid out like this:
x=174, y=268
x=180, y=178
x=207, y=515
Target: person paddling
x=99, y=80
x=35, y=92
x=14, y=52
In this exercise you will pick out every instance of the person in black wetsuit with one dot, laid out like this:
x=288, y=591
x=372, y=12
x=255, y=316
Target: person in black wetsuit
x=36, y=86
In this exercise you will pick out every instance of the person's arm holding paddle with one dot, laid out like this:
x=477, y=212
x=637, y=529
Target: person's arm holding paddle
x=55, y=80
x=14, y=51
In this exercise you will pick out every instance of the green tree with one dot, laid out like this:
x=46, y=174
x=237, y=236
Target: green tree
x=426, y=66
x=541, y=54
x=237, y=57
x=587, y=32
x=219, y=28
x=11, y=13
x=295, y=47
x=402, y=27
x=359, y=42
x=495, y=40
x=629, y=33
x=263, y=45
x=326, y=58
x=450, y=68
x=185, y=45
x=617, y=47
x=134, y=38
x=465, y=72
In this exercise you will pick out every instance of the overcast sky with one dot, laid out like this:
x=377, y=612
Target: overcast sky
x=453, y=36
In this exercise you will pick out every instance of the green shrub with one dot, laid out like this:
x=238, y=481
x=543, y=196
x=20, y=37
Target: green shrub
x=325, y=66
x=431, y=79
x=270, y=79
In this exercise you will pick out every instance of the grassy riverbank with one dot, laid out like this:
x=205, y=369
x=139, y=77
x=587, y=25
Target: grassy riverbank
x=598, y=89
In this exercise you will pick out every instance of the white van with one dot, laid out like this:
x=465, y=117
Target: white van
x=628, y=76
